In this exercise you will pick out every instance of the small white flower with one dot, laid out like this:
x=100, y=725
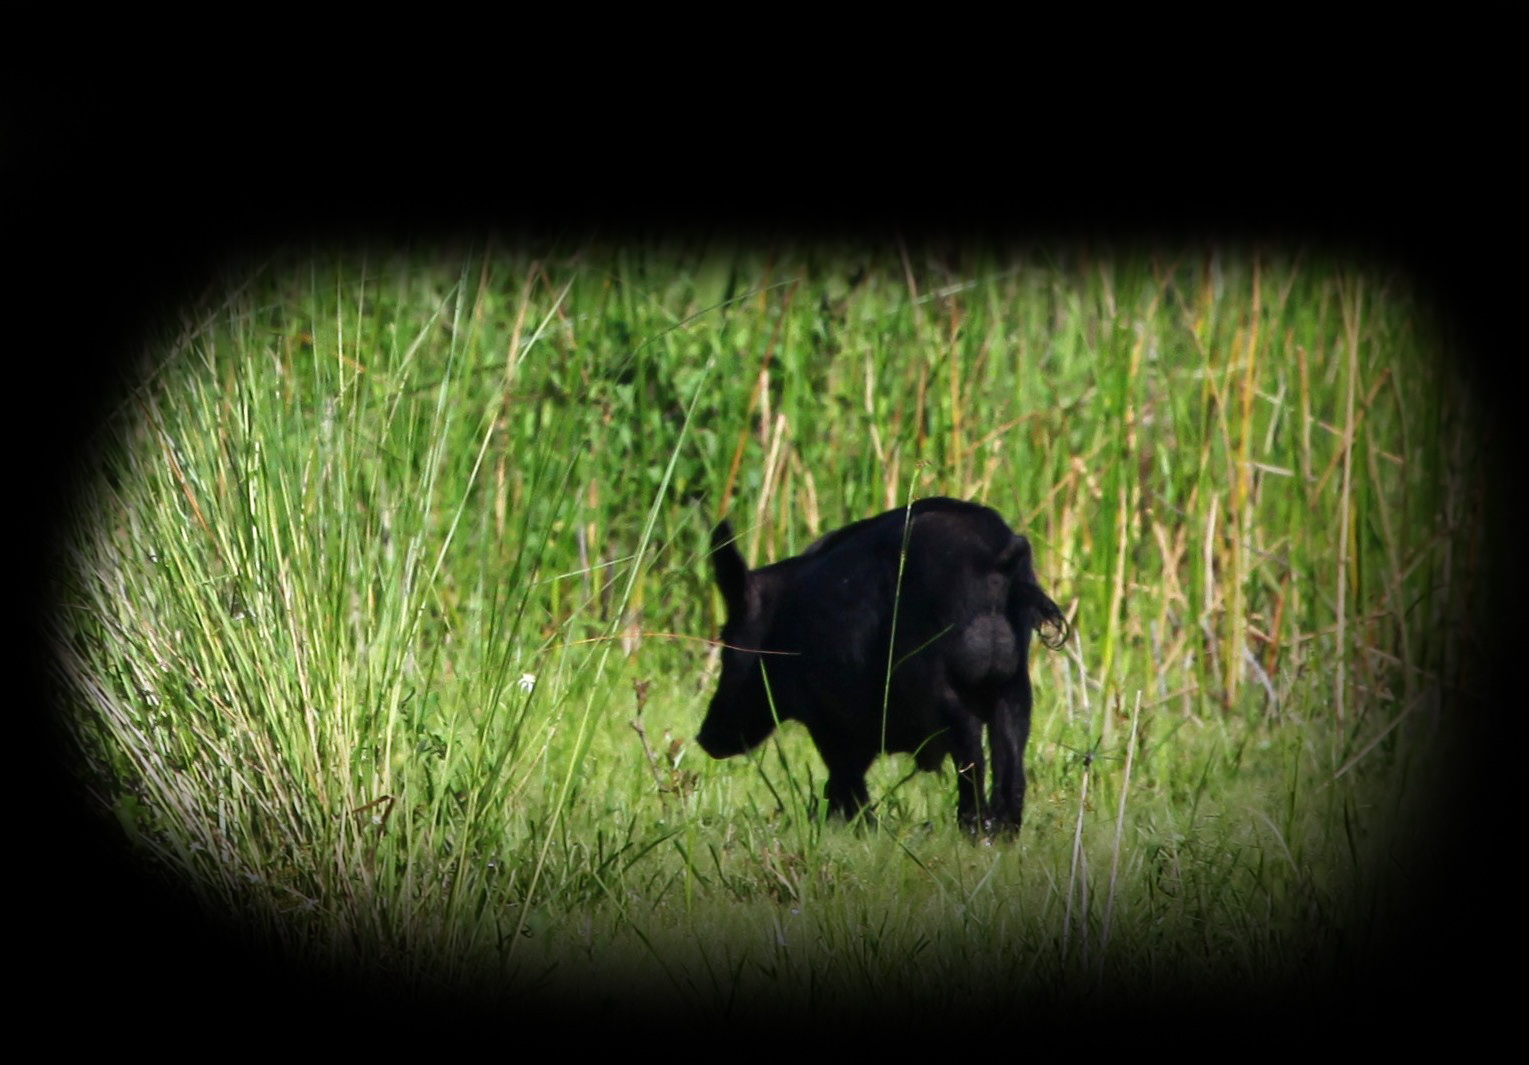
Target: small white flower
x=527, y=681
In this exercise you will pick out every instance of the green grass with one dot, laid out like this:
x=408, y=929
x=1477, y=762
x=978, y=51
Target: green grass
x=385, y=613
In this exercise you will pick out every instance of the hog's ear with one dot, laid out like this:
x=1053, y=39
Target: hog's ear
x=731, y=571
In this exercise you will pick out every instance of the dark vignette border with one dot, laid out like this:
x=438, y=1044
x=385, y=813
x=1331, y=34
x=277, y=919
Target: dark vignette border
x=114, y=237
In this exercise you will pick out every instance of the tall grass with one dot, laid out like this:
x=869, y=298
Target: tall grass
x=386, y=608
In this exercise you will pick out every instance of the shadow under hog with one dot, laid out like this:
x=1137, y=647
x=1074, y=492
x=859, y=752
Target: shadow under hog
x=907, y=632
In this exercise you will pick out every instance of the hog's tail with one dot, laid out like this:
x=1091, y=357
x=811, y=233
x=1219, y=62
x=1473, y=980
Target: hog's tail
x=1026, y=597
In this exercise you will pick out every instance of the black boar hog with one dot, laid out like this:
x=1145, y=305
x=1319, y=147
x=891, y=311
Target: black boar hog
x=909, y=631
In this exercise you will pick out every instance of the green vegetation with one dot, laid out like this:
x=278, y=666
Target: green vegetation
x=386, y=609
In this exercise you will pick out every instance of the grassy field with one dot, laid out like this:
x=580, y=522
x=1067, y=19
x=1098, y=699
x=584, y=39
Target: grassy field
x=385, y=610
